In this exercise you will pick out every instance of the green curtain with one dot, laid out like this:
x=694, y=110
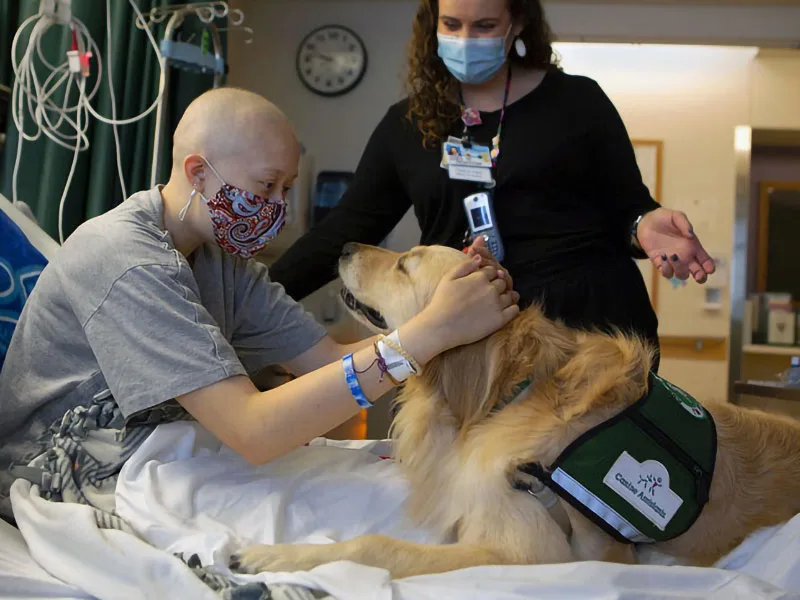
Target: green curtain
x=9, y=9
x=95, y=185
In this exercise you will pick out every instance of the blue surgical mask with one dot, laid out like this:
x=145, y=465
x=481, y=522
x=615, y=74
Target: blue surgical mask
x=473, y=60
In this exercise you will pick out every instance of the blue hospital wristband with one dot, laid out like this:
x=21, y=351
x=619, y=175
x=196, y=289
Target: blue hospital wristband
x=352, y=382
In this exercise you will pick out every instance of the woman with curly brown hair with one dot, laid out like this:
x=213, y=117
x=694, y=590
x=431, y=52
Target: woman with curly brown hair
x=571, y=208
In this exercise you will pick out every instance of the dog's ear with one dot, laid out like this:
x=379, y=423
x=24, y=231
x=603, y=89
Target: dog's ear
x=473, y=379
x=461, y=377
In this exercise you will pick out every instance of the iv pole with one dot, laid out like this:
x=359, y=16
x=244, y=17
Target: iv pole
x=187, y=57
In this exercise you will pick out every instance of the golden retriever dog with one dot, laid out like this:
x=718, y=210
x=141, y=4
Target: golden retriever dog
x=461, y=456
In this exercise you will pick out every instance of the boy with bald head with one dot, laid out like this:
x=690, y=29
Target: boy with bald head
x=155, y=310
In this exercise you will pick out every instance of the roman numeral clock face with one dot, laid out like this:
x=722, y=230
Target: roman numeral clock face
x=331, y=60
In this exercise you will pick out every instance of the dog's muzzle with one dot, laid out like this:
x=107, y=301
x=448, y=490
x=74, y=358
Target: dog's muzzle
x=370, y=314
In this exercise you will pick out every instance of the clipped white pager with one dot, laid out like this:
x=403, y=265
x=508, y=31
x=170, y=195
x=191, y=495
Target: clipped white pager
x=482, y=221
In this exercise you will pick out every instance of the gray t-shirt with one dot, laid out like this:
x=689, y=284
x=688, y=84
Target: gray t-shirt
x=120, y=309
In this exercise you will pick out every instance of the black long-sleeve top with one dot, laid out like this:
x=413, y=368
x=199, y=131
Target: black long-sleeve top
x=568, y=190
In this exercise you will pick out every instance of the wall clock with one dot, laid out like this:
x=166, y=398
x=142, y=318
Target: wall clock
x=331, y=60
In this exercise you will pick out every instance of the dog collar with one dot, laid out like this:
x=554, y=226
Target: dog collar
x=514, y=395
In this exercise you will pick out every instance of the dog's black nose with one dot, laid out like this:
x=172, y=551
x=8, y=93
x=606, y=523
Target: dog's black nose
x=349, y=249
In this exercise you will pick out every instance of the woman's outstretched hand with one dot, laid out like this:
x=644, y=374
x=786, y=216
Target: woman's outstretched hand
x=669, y=241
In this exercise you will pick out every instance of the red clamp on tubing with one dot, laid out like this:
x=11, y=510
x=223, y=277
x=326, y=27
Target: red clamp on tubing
x=84, y=59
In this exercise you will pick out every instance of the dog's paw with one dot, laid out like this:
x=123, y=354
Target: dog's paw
x=280, y=558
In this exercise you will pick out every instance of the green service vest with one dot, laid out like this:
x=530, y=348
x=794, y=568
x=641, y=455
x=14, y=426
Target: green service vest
x=644, y=475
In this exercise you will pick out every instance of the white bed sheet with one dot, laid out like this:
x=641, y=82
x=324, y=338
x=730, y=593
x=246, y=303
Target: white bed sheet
x=184, y=493
x=21, y=577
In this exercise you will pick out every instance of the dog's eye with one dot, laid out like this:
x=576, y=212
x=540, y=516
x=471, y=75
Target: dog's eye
x=401, y=265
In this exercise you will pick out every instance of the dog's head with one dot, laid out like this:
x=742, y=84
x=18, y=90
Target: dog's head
x=384, y=289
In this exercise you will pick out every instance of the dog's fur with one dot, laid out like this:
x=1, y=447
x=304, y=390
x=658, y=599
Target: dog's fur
x=460, y=457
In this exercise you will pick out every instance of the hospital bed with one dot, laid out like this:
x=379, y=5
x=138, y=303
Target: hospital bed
x=24, y=250
x=188, y=503
x=20, y=575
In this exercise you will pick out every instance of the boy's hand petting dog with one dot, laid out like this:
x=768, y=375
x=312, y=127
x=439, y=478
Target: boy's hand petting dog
x=471, y=302
x=479, y=248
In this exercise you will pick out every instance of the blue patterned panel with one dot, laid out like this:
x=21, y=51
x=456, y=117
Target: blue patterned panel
x=20, y=266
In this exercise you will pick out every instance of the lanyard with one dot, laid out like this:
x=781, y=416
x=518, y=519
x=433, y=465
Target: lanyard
x=472, y=117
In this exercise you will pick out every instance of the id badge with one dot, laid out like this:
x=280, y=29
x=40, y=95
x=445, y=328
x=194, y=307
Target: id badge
x=454, y=153
x=468, y=173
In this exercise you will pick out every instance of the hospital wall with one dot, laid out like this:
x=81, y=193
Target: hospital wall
x=334, y=131
x=689, y=98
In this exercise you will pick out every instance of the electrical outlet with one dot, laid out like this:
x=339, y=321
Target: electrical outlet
x=713, y=299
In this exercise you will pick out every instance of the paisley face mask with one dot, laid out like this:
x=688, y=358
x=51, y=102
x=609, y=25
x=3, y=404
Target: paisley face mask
x=244, y=223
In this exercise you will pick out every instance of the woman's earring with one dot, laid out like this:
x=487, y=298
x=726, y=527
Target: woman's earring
x=520, y=47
